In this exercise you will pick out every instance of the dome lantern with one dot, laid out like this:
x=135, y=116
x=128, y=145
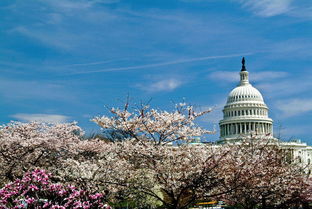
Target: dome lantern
x=243, y=74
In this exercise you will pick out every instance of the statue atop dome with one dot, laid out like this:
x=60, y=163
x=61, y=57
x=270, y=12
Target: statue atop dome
x=243, y=64
x=243, y=74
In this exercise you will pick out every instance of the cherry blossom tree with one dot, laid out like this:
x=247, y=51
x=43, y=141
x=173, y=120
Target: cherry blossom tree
x=24, y=146
x=36, y=190
x=157, y=126
x=260, y=175
x=156, y=158
x=250, y=174
x=175, y=176
x=149, y=158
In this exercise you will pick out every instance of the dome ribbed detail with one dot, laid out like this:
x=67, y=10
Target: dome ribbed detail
x=245, y=93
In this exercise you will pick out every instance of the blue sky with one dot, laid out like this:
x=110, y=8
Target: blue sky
x=65, y=60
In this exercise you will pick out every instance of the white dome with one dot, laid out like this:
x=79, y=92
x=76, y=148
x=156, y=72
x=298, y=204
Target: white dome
x=244, y=93
x=245, y=112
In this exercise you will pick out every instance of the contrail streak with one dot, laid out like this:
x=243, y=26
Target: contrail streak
x=94, y=63
x=160, y=64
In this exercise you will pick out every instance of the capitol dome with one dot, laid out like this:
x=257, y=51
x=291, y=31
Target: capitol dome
x=245, y=93
x=245, y=112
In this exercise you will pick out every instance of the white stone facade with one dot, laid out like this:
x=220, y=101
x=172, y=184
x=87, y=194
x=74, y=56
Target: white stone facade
x=246, y=113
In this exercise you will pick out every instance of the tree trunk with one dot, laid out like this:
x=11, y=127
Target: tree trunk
x=263, y=203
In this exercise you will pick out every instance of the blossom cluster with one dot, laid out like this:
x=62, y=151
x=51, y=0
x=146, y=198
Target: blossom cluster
x=154, y=125
x=36, y=190
x=25, y=146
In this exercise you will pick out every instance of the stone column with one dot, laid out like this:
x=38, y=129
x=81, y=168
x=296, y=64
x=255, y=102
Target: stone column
x=231, y=128
x=240, y=128
x=236, y=128
x=225, y=129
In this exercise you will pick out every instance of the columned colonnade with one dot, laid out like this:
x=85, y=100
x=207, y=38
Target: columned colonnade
x=245, y=128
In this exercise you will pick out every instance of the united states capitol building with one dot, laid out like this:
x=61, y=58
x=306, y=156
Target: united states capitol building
x=245, y=113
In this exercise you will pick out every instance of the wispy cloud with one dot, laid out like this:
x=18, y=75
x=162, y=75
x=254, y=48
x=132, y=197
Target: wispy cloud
x=77, y=4
x=47, y=118
x=286, y=87
x=292, y=131
x=229, y=76
x=294, y=107
x=15, y=90
x=267, y=8
x=181, y=61
x=293, y=47
x=162, y=85
x=60, y=39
